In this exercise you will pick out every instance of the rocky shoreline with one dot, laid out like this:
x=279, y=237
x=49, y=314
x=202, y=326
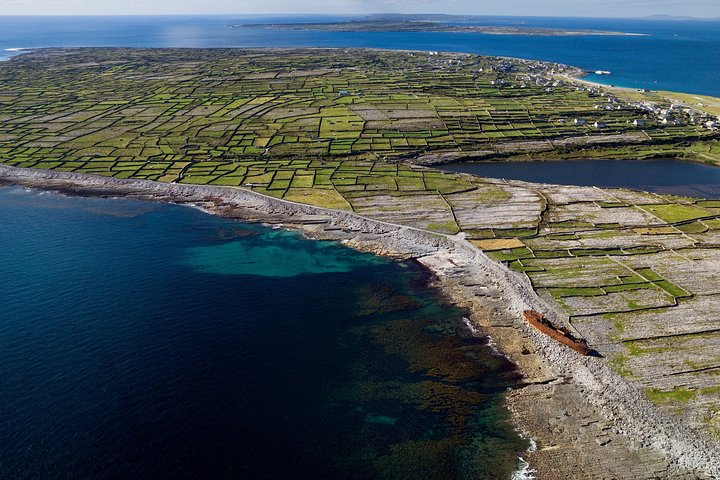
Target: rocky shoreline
x=588, y=422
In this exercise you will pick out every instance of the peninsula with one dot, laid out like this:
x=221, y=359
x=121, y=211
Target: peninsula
x=339, y=143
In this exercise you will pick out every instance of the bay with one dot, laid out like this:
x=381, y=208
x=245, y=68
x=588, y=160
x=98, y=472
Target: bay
x=145, y=341
x=674, y=177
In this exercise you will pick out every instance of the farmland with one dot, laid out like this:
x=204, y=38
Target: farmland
x=281, y=122
x=352, y=130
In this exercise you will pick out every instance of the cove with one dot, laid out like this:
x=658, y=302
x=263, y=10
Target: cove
x=144, y=341
x=673, y=177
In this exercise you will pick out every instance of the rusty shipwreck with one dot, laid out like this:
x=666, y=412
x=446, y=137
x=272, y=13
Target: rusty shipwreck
x=560, y=334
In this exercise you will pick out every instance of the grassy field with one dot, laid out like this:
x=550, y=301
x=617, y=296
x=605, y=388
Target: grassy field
x=283, y=122
x=635, y=272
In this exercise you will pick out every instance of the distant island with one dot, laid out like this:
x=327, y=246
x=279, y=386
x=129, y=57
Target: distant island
x=427, y=23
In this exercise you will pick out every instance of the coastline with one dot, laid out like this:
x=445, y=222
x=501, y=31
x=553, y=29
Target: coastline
x=563, y=389
x=8, y=53
x=713, y=108
x=381, y=26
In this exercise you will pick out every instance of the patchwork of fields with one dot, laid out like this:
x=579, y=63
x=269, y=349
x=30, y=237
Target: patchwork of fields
x=636, y=272
x=637, y=275
x=284, y=121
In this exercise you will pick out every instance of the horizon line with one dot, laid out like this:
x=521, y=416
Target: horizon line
x=658, y=17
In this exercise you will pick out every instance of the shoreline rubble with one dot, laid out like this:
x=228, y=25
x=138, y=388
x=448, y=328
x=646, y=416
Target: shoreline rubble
x=496, y=297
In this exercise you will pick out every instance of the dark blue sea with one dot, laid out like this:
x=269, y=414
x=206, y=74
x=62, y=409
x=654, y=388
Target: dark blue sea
x=680, y=55
x=150, y=341
x=147, y=341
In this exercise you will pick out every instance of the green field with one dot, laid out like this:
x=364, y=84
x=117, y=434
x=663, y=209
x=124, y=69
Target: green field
x=282, y=122
x=352, y=129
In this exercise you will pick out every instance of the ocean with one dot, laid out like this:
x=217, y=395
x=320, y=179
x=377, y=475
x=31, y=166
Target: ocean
x=147, y=341
x=680, y=55
x=141, y=340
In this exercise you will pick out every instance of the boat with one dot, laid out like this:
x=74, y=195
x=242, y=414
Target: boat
x=561, y=334
x=603, y=72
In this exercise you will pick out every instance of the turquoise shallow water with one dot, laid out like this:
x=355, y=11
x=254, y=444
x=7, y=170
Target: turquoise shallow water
x=271, y=255
x=148, y=341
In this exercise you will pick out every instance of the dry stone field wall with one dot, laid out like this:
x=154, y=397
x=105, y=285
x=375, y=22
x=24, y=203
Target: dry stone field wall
x=304, y=123
x=635, y=273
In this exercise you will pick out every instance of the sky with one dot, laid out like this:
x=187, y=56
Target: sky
x=574, y=8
